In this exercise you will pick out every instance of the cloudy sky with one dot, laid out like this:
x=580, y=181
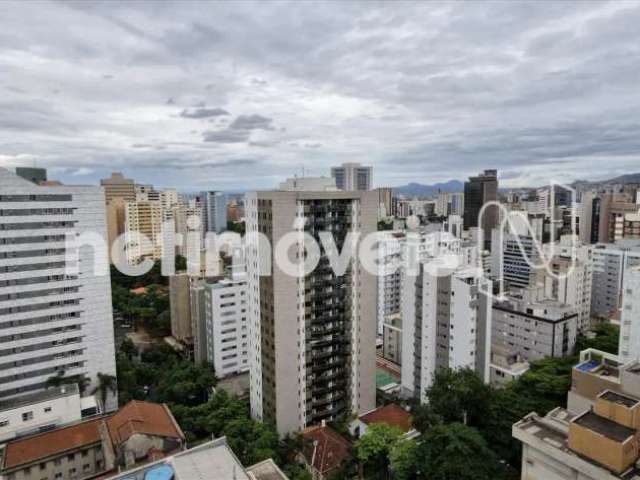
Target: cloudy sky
x=240, y=95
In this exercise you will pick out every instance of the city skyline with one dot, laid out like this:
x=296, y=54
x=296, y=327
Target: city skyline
x=427, y=93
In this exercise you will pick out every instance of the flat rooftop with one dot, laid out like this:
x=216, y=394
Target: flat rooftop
x=619, y=398
x=39, y=397
x=604, y=426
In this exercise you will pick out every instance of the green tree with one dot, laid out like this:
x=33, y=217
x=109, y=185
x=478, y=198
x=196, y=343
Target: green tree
x=605, y=337
x=455, y=452
x=403, y=460
x=106, y=383
x=372, y=449
x=459, y=396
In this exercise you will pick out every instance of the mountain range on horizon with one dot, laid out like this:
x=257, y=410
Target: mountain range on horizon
x=421, y=190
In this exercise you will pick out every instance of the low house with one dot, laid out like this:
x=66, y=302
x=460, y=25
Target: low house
x=139, y=432
x=74, y=452
x=392, y=415
x=323, y=451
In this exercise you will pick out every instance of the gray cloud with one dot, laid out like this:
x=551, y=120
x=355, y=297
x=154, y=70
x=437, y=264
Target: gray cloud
x=203, y=112
x=226, y=136
x=252, y=122
x=422, y=91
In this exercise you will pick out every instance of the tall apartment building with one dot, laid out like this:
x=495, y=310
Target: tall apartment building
x=189, y=223
x=629, y=347
x=569, y=281
x=449, y=203
x=312, y=336
x=55, y=309
x=116, y=221
x=385, y=202
x=169, y=198
x=180, y=307
x=478, y=191
x=609, y=264
x=117, y=186
x=534, y=329
x=352, y=176
x=214, y=211
x=514, y=260
x=389, y=298
x=146, y=193
x=227, y=325
x=198, y=320
x=446, y=323
x=157, y=225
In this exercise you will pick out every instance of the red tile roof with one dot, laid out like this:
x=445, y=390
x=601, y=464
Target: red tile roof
x=37, y=447
x=392, y=415
x=143, y=417
x=324, y=448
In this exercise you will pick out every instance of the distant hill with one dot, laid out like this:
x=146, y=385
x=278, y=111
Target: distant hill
x=419, y=190
x=623, y=179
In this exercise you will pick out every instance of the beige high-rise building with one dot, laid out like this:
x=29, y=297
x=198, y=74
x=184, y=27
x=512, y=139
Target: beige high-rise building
x=312, y=337
x=180, y=305
x=115, y=221
x=146, y=218
x=117, y=186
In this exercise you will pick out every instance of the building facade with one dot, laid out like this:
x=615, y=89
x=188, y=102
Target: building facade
x=477, y=192
x=227, y=325
x=629, y=348
x=352, y=176
x=446, y=323
x=609, y=264
x=534, y=329
x=312, y=335
x=55, y=294
x=214, y=211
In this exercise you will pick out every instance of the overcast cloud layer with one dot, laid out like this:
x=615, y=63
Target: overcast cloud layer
x=240, y=95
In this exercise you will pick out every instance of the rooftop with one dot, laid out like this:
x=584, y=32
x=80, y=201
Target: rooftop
x=324, y=448
x=266, y=470
x=38, y=397
x=143, y=417
x=619, y=398
x=36, y=447
x=392, y=415
x=604, y=426
x=211, y=460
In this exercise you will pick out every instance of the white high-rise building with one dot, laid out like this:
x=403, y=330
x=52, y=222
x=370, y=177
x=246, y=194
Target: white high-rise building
x=390, y=247
x=629, y=346
x=227, y=324
x=55, y=309
x=214, y=211
x=609, y=264
x=353, y=176
x=568, y=279
x=446, y=323
x=169, y=198
x=313, y=337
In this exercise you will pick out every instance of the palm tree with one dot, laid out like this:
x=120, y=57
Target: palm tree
x=56, y=380
x=106, y=383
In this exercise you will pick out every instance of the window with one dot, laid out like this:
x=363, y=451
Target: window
x=71, y=457
x=58, y=475
x=85, y=453
x=4, y=423
x=43, y=466
x=86, y=467
x=47, y=409
x=26, y=416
